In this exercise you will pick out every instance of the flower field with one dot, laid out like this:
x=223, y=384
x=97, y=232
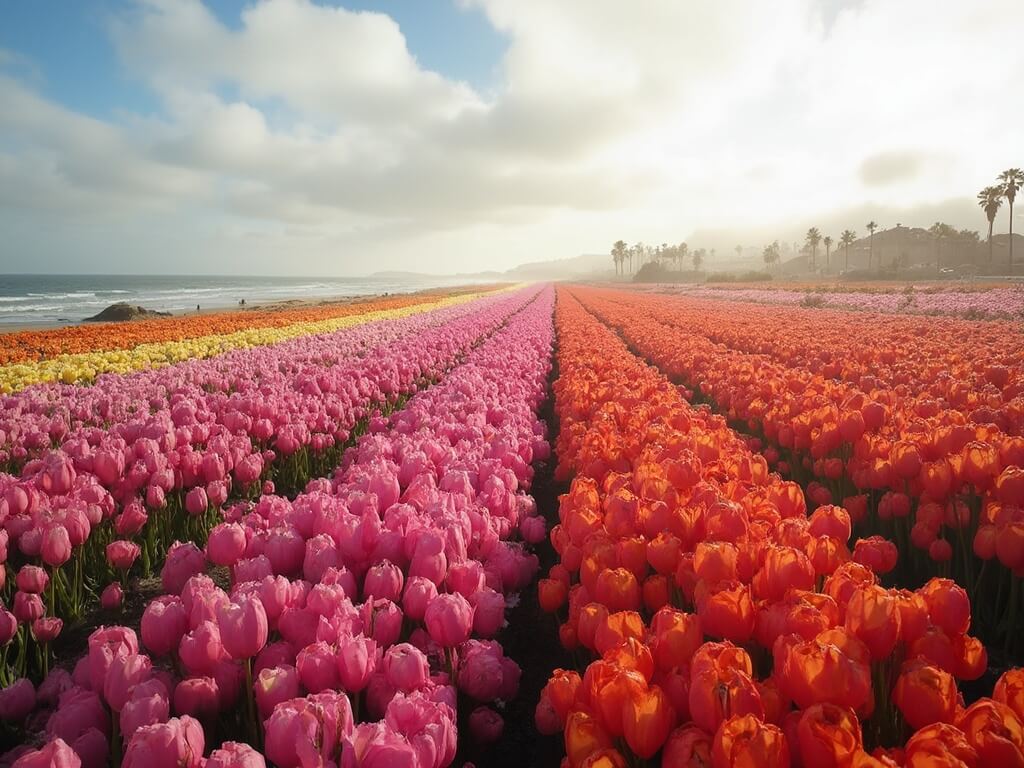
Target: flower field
x=983, y=302
x=783, y=536
x=81, y=353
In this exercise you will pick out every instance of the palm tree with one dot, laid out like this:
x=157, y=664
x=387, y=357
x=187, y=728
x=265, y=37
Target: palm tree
x=827, y=240
x=813, y=237
x=618, y=254
x=698, y=259
x=846, y=240
x=683, y=251
x=739, y=251
x=1012, y=179
x=940, y=232
x=771, y=254
x=871, y=227
x=990, y=199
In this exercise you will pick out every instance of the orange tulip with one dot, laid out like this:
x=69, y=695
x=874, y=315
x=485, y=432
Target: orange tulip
x=663, y=553
x=634, y=655
x=675, y=637
x=715, y=561
x=551, y=594
x=728, y=612
x=592, y=616
x=828, y=736
x=656, y=592
x=618, y=589
x=583, y=737
x=746, y=742
x=873, y=616
x=616, y=629
x=611, y=696
x=813, y=673
x=877, y=553
x=605, y=758
x=1009, y=690
x=940, y=746
x=995, y=732
x=721, y=656
x=716, y=695
x=562, y=690
x=647, y=719
x=925, y=694
x=687, y=747
x=948, y=605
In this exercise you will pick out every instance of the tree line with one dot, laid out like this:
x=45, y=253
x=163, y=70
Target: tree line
x=990, y=199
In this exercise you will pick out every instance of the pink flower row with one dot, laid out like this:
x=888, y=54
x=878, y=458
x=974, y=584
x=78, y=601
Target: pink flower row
x=355, y=611
x=197, y=431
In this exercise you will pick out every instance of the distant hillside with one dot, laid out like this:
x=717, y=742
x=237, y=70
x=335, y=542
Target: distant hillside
x=576, y=266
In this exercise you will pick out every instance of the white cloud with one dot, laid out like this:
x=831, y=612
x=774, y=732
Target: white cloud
x=317, y=129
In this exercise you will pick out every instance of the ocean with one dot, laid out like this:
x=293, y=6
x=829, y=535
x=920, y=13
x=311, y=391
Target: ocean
x=55, y=299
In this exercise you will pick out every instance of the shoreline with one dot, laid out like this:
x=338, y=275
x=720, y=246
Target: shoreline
x=280, y=305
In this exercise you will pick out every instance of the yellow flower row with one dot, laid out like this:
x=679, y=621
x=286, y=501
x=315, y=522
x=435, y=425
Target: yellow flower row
x=85, y=367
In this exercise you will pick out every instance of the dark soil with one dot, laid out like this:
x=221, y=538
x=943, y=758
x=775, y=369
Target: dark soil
x=531, y=638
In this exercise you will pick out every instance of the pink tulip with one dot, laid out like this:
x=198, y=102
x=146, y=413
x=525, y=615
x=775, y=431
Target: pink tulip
x=55, y=683
x=485, y=725
x=449, y=619
x=273, y=655
x=164, y=623
x=533, y=530
x=121, y=554
x=105, y=645
x=55, y=754
x=226, y=544
x=202, y=649
x=28, y=607
x=183, y=561
x=419, y=592
x=46, y=629
x=178, y=743
x=196, y=502
x=383, y=581
x=8, y=626
x=243, y=627
x=466, y=577
x=356, y=661
x=131, y=520
x=406, y=667
x=217, y=493
x=273, y=686
x=32, y=579
x=124, y=673
x=78, y=710
x=480, y=670
x=385, y=620
x=375, y=745
x=231, y=754
x=17, y=700
x=318, y=667
x=156, y=497
x=56, y=546
x=488, y=612
x=92, y=748
x=252, y=569
x=290, y=731
x=197, y=697
x=112, y=596
x=148, y=704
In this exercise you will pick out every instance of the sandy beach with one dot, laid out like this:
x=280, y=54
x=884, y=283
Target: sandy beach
x=270, y=306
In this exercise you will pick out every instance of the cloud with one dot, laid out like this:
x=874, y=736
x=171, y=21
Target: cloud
x=314, y=130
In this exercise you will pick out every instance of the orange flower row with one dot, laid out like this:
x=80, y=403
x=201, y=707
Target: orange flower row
x=935, y=464
x=25, y=346
x=728, y=627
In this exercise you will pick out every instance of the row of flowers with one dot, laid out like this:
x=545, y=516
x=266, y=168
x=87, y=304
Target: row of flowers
x=152, y=456
x=977, y=304
x=85, y=367
x=934, y=464
x=36, y=345
x=717, y=622
x=360, y=615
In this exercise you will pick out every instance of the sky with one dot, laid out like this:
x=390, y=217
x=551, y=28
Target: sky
x=301, y=137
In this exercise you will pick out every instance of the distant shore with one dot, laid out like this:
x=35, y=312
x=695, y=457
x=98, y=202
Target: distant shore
x=267, y=306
